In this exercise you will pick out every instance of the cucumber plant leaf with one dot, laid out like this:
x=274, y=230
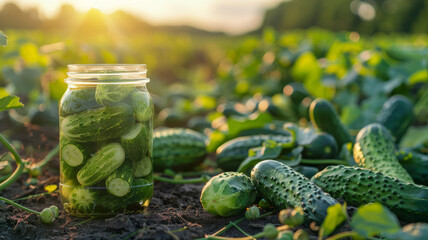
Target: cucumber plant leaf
x=374, y=219
x=269, y=150
x=336, y=214
x=9, y=102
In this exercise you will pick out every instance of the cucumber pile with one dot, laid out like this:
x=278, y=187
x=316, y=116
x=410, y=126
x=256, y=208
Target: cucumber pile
x=106, y=149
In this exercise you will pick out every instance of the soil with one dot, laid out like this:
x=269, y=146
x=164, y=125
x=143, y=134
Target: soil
x=174, y=213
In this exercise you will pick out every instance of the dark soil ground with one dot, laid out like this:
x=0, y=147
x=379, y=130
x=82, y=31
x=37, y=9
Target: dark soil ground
x=175, y=211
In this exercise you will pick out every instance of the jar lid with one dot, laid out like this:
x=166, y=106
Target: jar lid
x=107, y=74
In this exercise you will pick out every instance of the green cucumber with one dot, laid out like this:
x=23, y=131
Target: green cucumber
x=233, y=152
x=374, y=149
x=396, y=115
x=136, y=141
x=77, y=100
x=178, y=149
x=358, y=186
x=142, y=167
x=120, y=181
x=75, y=154
x=103, y=163
x=322, y=145
x=82, y=200
x=141, y=193
x=109, y=94
x=142, y=105
x=98, y=124
x=283, y=188
x=416, y=164
x=67, y=172
x=324, y=117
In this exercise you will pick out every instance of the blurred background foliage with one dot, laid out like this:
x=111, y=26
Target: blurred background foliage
x=353, y=53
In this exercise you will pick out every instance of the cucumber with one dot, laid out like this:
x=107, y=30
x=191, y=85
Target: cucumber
x=283, y=187
x=396, y=115
x=142, y=105
x=322, y=145
x=178, y=149
x=67, y=172
x=77, y=100
x=374, y=149
x=103, y=163
x=120, y=181
x=324, y=117
x=358, y=186
x=142, y=167
x=82, y=200
x=136, y=141
x=98, y=124
x=67, y=187
x=233, y=152
x=109, y=94
x=75, y=154
x=141, y=193
x=416, y=164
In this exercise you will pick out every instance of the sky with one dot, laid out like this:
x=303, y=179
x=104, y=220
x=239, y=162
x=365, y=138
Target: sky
x=231, y=16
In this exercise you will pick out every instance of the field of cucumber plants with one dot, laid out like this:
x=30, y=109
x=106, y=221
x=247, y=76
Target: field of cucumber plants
x=298, y=135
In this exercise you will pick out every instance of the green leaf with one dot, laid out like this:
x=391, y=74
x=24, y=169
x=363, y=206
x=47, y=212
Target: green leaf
x=374, y=219
x=269, y=150
x=336, y=214
x=3, y=40
x=418, y=77
x=414, y=231
x=9, y=102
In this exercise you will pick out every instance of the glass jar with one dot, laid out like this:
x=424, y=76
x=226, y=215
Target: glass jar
x=106, y=128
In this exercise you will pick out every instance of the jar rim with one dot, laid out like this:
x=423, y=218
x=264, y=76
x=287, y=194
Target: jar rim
x=107, y=74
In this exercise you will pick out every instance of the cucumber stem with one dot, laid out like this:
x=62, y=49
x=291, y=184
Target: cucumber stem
x=19, y=164
x=231, y=224
x=324, y=161
x=47, y=158
x=18, y=206
x=201, y=179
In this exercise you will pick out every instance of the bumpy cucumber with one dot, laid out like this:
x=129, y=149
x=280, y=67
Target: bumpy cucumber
x=178, y=149
x=322, y=145
x=228, y=194
x=283, y=187
x=416, y=164
x=232, y=153
x=82, y=200
x=120, y=181
x=77, y=100
x=75, y=154
x=359, y=186
x=374, y=149
x=103, y=163
x=109, y=94
x=142, y=105
x=396, y=115
x=98, y=124
x=324, y=117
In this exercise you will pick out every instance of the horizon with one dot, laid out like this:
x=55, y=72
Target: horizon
x=231, y=17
